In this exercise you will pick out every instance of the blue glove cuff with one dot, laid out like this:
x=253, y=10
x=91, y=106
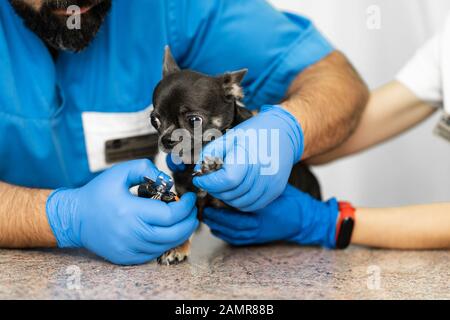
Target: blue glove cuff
x=294, y=131
x=60, y=220
x=320, y=229
x=175, y=167
x=333, y=214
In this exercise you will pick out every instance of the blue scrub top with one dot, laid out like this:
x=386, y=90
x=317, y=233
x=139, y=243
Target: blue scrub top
x=42, y=102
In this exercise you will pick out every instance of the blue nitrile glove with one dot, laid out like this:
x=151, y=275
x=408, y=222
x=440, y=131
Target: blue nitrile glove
x=294, y=217
x=255, y=172
x=105, y=218
x=174, y=163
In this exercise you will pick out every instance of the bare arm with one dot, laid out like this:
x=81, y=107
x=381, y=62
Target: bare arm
x=23, y=220
x=392, y=110
x=328, y=99
x=415, y=227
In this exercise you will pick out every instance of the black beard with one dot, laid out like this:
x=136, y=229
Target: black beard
x=53, y=30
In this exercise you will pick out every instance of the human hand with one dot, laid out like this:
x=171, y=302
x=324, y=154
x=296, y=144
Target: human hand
x=294, y=217
x=249, y=179
x=105, y=218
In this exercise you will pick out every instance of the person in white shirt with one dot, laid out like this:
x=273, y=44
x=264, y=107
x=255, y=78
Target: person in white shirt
x=420, y=89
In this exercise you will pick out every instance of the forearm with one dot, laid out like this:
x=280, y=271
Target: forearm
x=392, y=109
x=327, y=99
x=415, y=227
x=23, y=220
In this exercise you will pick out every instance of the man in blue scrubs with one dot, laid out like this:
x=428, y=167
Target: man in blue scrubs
x=75, y=74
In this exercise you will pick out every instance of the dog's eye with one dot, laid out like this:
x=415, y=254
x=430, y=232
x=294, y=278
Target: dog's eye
x=156, y=123
x=194, y=121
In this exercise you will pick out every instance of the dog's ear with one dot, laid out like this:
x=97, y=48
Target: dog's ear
x=237, y=76
x=232, y=84
x=170, y=66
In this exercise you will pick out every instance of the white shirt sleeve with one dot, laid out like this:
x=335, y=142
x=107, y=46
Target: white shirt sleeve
x=423, y=73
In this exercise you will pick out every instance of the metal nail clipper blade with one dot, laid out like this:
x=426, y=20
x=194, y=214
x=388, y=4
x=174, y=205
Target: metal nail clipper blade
x=159, y=189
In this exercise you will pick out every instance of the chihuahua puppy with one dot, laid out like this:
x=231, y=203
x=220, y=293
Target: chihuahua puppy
x=190, y=101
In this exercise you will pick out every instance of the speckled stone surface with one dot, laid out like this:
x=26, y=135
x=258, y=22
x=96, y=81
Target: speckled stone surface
x=218, y=271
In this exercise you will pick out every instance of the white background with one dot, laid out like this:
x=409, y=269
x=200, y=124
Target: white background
x=414, y=168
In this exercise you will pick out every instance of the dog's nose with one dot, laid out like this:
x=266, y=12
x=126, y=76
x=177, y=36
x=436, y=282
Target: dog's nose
x=167, y=142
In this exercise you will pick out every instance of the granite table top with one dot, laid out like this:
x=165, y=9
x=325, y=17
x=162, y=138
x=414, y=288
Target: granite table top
x=218, y=271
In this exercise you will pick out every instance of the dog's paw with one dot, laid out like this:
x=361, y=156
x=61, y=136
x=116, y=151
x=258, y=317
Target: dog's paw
x=211, y=164
x=175, y=256
x=172, y=257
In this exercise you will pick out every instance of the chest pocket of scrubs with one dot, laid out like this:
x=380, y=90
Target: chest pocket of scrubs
x=108, y=87
x=100, y=127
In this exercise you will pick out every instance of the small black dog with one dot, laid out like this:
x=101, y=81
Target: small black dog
x=189, y=100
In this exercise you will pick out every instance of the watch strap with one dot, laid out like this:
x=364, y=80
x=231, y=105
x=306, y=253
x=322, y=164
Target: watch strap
x=345, y=225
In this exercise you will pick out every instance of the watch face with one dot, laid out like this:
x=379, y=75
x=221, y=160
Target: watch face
x=345, y=234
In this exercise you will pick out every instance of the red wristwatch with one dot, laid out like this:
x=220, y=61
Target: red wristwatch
x=345, y=225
